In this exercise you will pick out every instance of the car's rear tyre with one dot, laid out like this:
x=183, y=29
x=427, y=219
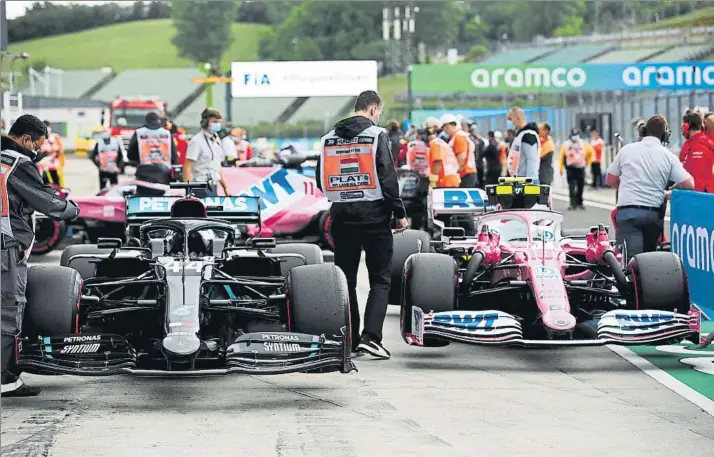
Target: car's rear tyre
x=326, y=239
x=405, y=244
x=311, y=252
x=431, y=282
x=318, y=301
x=659, y=282
x=84, y=266
x=53, y=295
x=48, y=234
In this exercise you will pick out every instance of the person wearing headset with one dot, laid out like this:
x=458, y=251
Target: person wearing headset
x=640, y=173
x=154, y=150
x=204, y=155
x=697, y=155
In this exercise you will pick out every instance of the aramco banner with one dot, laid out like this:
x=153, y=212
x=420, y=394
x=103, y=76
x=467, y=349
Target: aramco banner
x=692, y=239
x=467, y=78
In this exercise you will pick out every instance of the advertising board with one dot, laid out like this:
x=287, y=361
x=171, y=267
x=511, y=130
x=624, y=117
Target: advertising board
x=468, y=78
x=303, y=79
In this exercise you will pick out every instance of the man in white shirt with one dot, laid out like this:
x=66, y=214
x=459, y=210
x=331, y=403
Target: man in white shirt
x=640, y=173
x=205, y=154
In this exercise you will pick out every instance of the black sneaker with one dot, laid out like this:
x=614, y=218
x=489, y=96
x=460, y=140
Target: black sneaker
x=373, y=348
x=19, y=389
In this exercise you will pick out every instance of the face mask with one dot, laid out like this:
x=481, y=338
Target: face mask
x=49, y=130
x=509, y=123
x=215, y=127
x=574, y=139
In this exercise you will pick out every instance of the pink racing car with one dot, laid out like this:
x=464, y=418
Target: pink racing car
x=292, y=207
x=521, y=281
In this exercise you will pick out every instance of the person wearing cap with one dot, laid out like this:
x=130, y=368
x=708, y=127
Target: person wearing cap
x=575, y=156
x=524, y=153
x=444, y=166
x=640, y=173
x=545, y=169
x=153, y=148
x=356, y=173
x=465, y=150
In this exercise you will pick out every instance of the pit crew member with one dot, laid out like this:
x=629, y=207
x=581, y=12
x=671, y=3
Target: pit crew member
x=23, y=192
x=697, y=153
x=524, y=153
x=53, y=147
x=153, y=148
x=545, y=169
x=576, y=155
x=418, y=159
x=205, y=155
x=598, y=145
x=356, y=173
x=640, y=173
x=465, y=151
x=108, y=156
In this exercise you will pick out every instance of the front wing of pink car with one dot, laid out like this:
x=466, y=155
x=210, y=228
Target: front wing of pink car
x=497, y=328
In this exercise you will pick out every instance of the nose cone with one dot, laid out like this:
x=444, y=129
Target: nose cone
x=181, y=345
x=559, y=321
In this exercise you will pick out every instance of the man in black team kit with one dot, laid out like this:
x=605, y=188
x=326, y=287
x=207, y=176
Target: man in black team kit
x=356, y=172
x=23, y=192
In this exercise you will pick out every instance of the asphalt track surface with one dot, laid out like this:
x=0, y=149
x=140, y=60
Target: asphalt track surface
x=453, y=401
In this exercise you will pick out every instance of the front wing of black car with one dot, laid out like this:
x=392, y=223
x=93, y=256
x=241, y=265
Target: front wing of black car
x=263, y=353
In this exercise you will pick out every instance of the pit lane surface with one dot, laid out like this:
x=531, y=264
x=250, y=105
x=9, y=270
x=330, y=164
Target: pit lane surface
x=453, y=401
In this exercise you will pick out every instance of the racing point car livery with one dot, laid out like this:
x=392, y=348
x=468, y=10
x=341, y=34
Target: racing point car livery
x=188, y=300
x=293, y=208
x=521, y=281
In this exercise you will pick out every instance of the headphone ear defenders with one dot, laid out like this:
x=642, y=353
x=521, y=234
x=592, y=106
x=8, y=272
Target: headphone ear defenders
x=204, y=118
x=643, y=131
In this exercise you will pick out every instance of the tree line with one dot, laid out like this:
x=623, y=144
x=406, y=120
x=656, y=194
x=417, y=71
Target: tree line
x=334, y=30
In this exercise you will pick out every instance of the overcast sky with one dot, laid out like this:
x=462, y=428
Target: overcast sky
x=15, y=8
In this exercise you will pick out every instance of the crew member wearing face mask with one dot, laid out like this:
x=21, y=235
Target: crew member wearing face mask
x=108, y=156
x=524, y=153
x=155, y=150
x=575, y=156
x=205, y=155
x=356, y=173
x=23, y=193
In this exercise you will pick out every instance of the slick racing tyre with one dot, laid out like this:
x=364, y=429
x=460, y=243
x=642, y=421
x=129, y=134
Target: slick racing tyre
x=53, y=295
x=326, y=239
x=84, y=266
x=659, y=282
x=318, y=301
x=48, y=234
x=431, y=282
x=405, y=244
x=311, y=252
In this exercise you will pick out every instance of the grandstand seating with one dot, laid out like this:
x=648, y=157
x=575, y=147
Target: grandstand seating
x=517, y=56
x=75, y=83
x=684, y=52
x=627, y=55
x=172, y=85
x=320, y=109
x=244, y=111
x=574, y=54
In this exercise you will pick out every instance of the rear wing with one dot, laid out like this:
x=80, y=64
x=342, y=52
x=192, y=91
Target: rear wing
x=456, y=201
x=243, y=209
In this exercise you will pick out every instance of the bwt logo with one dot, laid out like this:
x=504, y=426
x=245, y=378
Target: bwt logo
x=694, y=245
x=256, y=79
x=470, y=198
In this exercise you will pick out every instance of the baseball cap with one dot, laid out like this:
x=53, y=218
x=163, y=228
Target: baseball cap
x=498, y=135
x=448, y=119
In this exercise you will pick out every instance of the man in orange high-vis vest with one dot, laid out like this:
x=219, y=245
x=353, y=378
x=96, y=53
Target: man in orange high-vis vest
x=598, y=145
x=444, y=166
x=465, y=150
x=576, y=155
x=54, y=147
x=357, y=175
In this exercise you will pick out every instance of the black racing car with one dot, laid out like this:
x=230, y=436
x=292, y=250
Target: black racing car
x=190, y=299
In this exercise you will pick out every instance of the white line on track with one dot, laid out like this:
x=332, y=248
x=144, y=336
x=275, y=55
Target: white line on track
x=665, y=379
